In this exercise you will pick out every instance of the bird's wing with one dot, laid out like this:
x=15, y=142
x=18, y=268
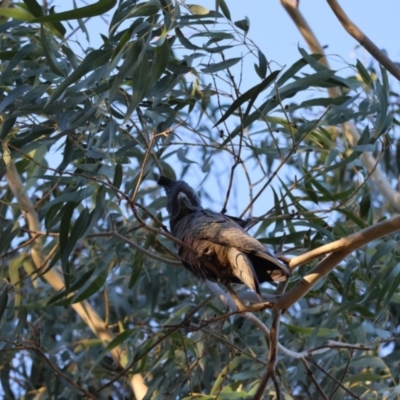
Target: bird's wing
x=220, y=229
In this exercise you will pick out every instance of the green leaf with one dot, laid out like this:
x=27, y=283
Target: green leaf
x=185, y=42
x=99, y=8
x=224, y=9
x=95, y=59
x=365, y=203
x=243, y=24
x=317, y=79
x=251, y=96
x=91, y=287
x=75, y=196
x=363, y=377
x=133, y=57
x=118, y=174
x=382, y=250
x=292, y=71
x=198, y=10
x=145, y=9
x=137, y=267
x=368, y=362
x=77, y=232
x=321, y=332
x=352, y=217
x=262, y=65
x=35, y=8
x=118, y=340
x=6, y=126
x=4, y=300
x=8, y=235
x=65, y=223
x=352, y=157
x=14, y=95
x=145, y=76
x=49, y=53
x=383, y=120
x=98, y=209
x=221, y=65
x=16, y=12
x=310, y=191
x=75, y=285
x=365, y=76
x=181, y=154
x=393, y=287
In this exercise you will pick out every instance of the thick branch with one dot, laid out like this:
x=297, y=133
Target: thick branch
x=342, y=248
x=308, y=35
x=350, y=243
x=83, y=309
x=363, y=39
x=310, y=280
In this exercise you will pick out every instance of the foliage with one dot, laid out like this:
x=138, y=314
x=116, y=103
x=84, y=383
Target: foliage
x=89, y=136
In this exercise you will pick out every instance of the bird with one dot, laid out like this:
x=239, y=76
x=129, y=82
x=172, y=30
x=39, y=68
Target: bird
x=215, y=246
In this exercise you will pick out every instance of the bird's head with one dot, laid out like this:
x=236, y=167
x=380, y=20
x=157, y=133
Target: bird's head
x=182, y=199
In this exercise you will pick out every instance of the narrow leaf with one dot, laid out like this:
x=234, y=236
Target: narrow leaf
x=99, y=8
x=243, y=24
x=221, y=65
x=4, y=300
x=198, y=10
x=224, y=9
x=251, y=95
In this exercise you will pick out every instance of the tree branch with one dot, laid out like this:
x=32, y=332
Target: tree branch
x=353, y=30
x=338, y=250
x=308, y=35
x=314, y=379
x=350, y=243
x=273, y=350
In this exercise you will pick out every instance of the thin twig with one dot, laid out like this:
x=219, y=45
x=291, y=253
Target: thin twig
x=144, y=251
x=333, y=378
x=56, y=370
x=346, y=368
x=141, y=174
x=237, y=159
x=314, y=380
x=187, y=362
x=21, y=246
